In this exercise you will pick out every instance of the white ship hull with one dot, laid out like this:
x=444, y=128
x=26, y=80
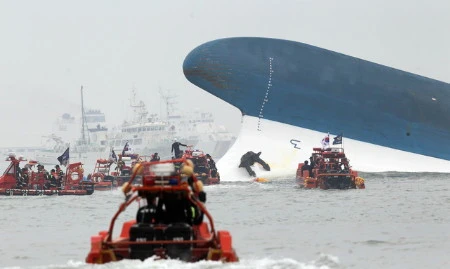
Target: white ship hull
x=273, y=139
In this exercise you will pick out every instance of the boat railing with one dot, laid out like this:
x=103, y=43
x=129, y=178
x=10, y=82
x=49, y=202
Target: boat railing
x=346, y=174
x=139, y=191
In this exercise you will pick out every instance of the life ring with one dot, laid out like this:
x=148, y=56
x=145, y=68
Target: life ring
x=76, y=175
x=98, y=177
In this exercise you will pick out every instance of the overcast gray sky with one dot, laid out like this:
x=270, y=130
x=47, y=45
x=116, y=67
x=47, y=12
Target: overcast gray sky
x=49, y=48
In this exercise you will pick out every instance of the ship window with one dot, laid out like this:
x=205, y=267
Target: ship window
x=10, y=170
x=91, y=119
x=137, y=141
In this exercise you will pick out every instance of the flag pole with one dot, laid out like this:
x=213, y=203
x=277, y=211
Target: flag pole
x=328, y=135
x=67, y=167
x=68, y=159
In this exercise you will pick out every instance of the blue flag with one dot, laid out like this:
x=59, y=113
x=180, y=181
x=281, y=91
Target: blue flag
x=337, y=140
x=125, y=148
x=64, y=158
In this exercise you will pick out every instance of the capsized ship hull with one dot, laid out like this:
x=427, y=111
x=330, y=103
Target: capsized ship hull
x=377, y=108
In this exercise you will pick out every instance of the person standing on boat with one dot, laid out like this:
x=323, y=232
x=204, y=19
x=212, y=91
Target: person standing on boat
x=212, y=165
x=306, y=167
x=176, y=148
x=44, y=177
x=58, y=171
x=59, y=175
x=311, y=166
x=53, y=180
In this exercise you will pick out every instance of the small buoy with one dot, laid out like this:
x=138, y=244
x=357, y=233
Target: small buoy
x=261, y=180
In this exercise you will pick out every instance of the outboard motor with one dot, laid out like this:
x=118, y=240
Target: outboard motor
x=338, y=182
x=179, y=232
x=142, y=232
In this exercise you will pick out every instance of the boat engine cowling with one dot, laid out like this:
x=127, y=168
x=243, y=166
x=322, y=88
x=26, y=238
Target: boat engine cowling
x=179, y=232
x=142, y=232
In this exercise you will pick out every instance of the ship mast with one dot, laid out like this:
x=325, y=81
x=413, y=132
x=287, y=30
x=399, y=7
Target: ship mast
x=139, y=109
x=167, y=98
x=83, y=120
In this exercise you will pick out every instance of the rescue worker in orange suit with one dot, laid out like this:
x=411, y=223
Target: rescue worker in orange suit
x=45, y=177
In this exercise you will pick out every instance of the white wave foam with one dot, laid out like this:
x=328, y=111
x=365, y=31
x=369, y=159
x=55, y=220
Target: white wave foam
x=324, y=262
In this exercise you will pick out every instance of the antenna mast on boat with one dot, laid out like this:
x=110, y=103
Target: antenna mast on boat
x=139, y=109
x=167, y=98
x=83, y=120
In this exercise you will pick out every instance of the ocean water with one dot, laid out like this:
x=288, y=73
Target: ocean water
x=401, y=220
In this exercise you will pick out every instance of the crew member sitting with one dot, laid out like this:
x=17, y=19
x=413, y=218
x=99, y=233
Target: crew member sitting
x=25, y=178
x=155, y=157
x=173, y=207
x=195, y=215
x=53, y=180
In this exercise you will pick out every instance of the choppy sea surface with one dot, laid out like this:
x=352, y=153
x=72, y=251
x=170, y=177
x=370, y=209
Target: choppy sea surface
x=401, y=220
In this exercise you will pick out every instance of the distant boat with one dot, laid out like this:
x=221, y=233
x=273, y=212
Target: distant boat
x=290, y=91
x=87, y=138
x=149, y=133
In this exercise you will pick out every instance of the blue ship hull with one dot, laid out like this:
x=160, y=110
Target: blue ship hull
x=321, y=90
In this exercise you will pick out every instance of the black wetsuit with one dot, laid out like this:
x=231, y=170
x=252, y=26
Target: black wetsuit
x=311, y=167
x=306, y=167
x=249, y=158
x=176, y=149
x=212, y=166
